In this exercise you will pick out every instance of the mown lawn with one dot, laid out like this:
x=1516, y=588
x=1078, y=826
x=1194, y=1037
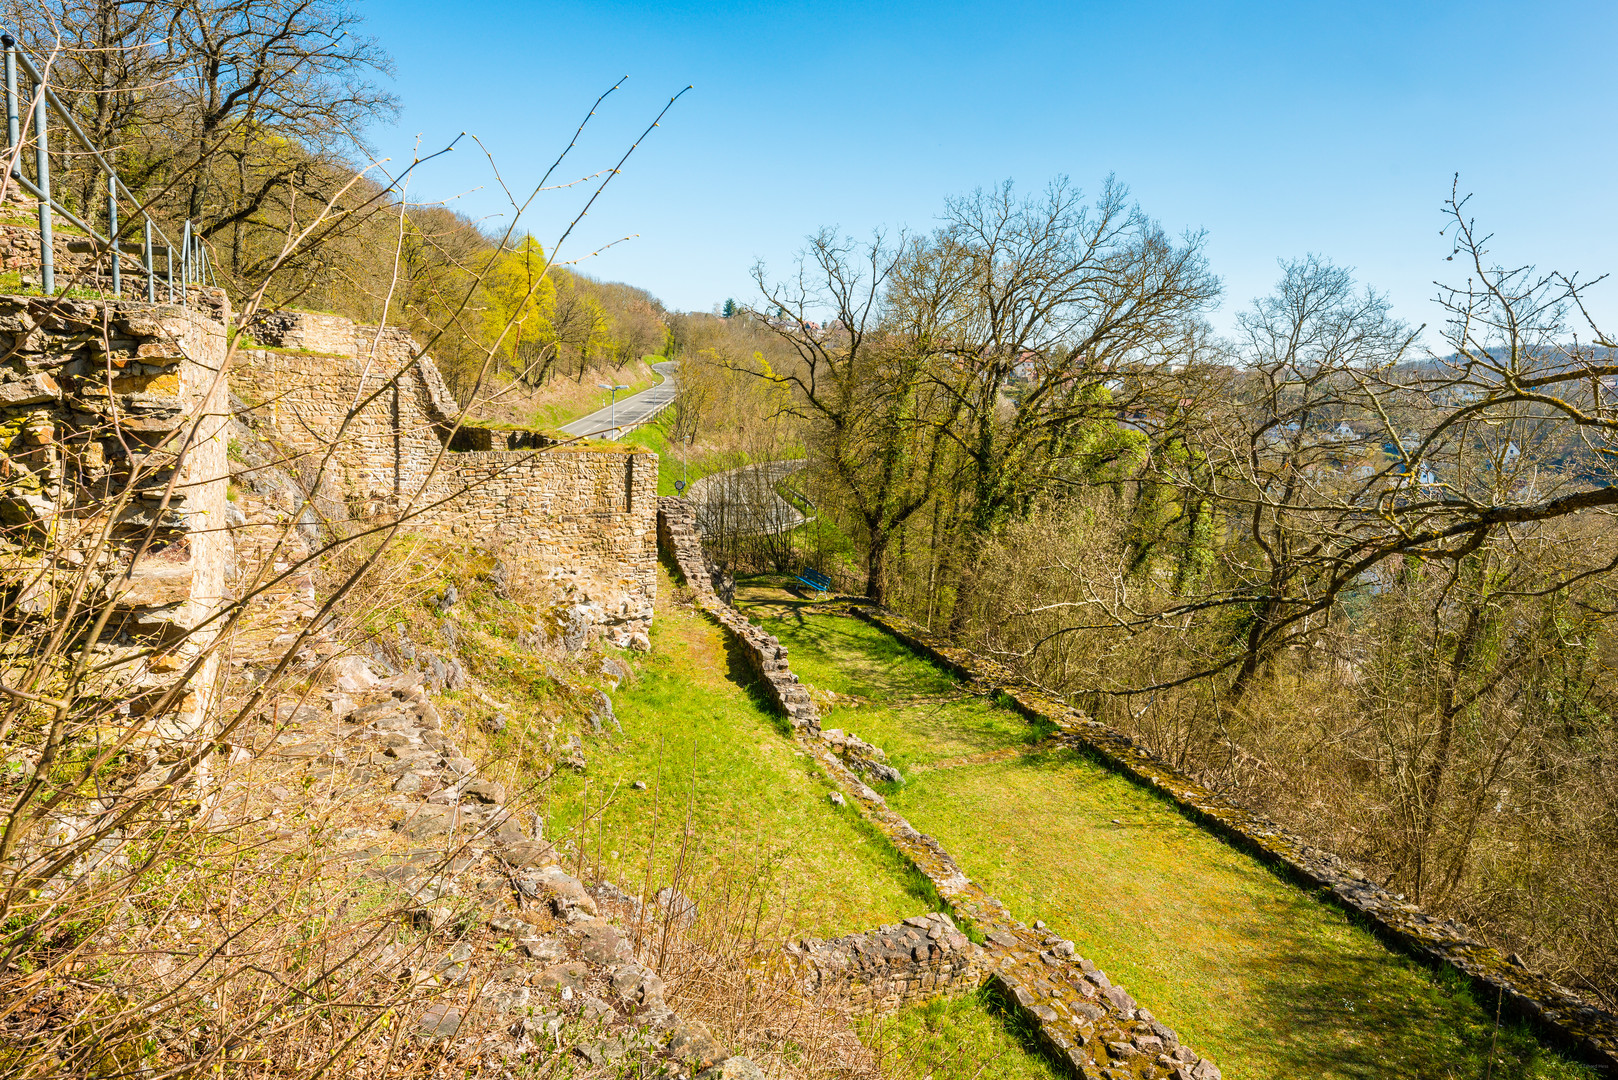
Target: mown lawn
x=711, y=754
x=1252, y=971
x=958, y=1038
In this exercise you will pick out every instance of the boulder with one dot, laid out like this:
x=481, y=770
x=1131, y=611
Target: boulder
x=486, y=791
x=733, y=1068
x=440, y=1022
x=565, y=976
x=523, y=854
x=564, y=891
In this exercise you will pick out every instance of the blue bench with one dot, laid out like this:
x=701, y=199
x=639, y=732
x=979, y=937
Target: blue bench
x=815, y=581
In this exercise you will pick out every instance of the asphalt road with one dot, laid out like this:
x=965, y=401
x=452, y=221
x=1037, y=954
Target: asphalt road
x=632, y=411
x=744, y=502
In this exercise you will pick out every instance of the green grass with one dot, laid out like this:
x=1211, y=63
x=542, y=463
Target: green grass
x=1260, y=975
x=704, y=744
x=968, y=1036
x=675, y=462
x=11, y=284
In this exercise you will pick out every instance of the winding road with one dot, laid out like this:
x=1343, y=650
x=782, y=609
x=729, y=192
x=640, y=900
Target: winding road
x=744, y=501
x=631, y=412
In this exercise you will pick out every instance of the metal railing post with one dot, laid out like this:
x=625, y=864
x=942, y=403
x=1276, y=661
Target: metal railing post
x=185, y=260
x=12, y=134
x=168, y=255
x=146, y=257
x=112, y=234
x=42, y=179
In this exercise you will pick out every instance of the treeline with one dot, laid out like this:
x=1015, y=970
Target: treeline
x=249, y=118
x=1372, y=595
x=496, y=311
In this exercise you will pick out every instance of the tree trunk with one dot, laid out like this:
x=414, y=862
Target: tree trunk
x=876, y=557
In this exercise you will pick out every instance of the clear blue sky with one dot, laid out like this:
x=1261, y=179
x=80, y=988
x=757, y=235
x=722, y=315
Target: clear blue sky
x=1280, y=128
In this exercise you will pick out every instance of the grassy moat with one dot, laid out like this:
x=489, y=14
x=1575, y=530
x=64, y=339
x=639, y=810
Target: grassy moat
x=1258, y=974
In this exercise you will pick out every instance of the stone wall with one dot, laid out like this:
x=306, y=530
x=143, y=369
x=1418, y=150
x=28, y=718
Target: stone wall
x=380, y=417
x=383, y=453
x=587, y=515
x=1562, y=1015
x=93, y=395
x=923, y=957
x=83, y=264
x=677, y=533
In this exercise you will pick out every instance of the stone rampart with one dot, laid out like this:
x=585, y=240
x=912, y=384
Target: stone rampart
x=358, y=406
x=110, y=419
x=586, y=515
x=362, y=405
x=1563, y=1016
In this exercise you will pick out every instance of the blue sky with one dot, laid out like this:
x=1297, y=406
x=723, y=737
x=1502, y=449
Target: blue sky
x=1279, y=128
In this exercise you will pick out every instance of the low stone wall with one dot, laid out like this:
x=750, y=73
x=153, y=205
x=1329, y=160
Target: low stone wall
x=82, y=264
x=677, y=534
x=1589, y=1031
x=882, y=969
x=1089, y=1024
x=469, y=437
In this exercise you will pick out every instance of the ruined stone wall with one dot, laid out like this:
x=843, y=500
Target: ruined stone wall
x=93, y=394
x=82, y=264
x=1590, y=1031
x=677, y=533
x=882, y=969
x=317, y=370
x=586, y=515
x=1086, y=1021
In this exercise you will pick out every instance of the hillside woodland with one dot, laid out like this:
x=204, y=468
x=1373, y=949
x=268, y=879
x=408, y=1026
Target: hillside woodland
x=1355, y=574
x=248, y=117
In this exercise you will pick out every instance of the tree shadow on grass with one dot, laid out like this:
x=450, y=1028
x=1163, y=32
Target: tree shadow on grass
x=739, y=670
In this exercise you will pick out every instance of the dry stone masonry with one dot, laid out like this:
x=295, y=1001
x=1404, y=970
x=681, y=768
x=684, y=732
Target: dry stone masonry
x=520, y=961
x=920, y=958
x=110, y=420
x=1589, y=1031
x=677, y=533
x=358, y=406
x=1088, y=1023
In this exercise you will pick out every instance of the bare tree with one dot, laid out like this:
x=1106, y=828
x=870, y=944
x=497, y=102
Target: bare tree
x=1067, y=316
x=864, y=387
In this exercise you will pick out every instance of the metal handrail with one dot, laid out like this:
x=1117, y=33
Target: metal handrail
x=195, y=267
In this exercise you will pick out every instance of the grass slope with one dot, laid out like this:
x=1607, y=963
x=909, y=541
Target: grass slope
x=1251, y=970
x=704, y=745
